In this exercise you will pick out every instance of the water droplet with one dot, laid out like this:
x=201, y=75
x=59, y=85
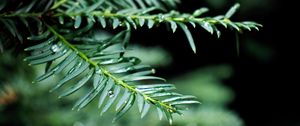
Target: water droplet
x=65, y=50
x=36, y=52
x=153, y=71
x=72, y=69
x=55, y=48
x=98, y=71
x=59, y=44
x=111, y=94
x=161, y=18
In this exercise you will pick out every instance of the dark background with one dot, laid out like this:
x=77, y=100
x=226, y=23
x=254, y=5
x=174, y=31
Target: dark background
x=266, y=87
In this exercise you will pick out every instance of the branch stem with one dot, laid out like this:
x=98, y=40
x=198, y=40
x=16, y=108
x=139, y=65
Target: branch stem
x=107, y=73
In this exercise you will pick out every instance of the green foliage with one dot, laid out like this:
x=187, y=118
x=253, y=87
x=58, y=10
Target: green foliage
x=210, y=89
x=63, y=31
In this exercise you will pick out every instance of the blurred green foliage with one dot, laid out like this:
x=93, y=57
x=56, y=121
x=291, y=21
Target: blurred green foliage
x=34, y=106
x=154, y=56
x=258, y=50
x=206, y=83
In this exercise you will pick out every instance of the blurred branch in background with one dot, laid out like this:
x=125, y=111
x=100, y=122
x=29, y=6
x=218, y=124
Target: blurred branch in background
x=258, y=50
x=33, y=105
x=154, y=56
x=206, y=83
x=7, y=95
